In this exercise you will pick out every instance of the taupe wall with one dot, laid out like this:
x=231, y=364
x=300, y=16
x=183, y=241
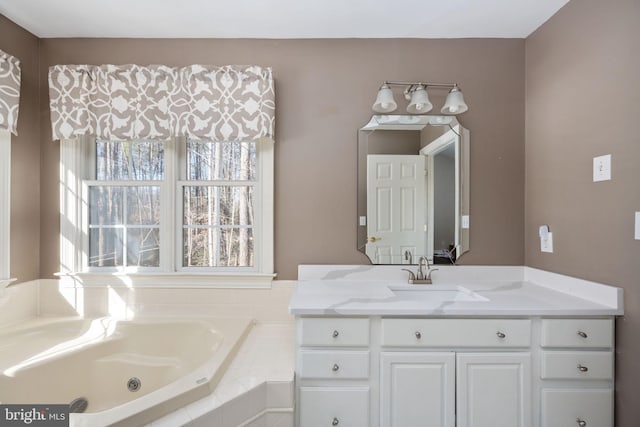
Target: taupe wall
x=324, y=92
x=25, y=156
x=583, y=100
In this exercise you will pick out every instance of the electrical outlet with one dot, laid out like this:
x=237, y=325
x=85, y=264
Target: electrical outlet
x=546, y=243
x=602, y=168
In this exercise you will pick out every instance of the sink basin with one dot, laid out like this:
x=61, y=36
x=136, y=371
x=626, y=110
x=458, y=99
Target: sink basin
x=436, y=293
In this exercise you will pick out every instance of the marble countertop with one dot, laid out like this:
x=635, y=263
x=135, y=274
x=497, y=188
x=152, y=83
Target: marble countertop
x=535, y=294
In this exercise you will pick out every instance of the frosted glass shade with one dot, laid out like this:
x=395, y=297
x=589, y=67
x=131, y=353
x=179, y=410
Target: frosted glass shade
x=454, y=103
x=419, y=103
x=384, y=101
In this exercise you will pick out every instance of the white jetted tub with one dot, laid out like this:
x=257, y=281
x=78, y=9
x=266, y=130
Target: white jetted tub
x=127, y=372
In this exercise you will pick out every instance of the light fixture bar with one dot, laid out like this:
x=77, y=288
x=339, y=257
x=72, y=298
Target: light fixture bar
x=426, y=84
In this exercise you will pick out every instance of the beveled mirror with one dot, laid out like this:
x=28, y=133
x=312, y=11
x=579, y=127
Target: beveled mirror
x=413, y=189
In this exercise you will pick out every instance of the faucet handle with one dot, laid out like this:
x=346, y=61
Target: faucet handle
x=412, y=275
x=431, y=270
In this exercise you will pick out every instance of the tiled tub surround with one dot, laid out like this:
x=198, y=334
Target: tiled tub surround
x=530, y=349
x=256, y=389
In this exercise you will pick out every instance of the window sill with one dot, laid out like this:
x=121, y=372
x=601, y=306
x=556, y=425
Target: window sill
x=170, y=280
x=5, y=283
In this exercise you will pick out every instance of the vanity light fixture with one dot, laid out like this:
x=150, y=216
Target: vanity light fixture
x=416, y=94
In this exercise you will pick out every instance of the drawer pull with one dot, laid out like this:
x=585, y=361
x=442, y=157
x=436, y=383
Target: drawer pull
x=336, y=421
x=582, y=334
x=582, y=368
x=335, y=367
x=418, y=334
x=581, y=423
x=501, y=334
x=335, y=334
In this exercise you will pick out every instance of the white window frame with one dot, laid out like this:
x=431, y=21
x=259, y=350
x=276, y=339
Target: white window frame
x=77, y=162
x=5, y=208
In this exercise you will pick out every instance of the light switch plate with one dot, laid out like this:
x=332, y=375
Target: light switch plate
x=637, y=225
x=546, y=243
x=602, y=168
x=363, y=220
x=465, y=221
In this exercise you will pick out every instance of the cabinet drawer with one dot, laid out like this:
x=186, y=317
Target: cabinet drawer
x=335, y=332
x=588, y=365
x=562, y=408
x=334, y=364
x=595, y=333
x=456, y=332
x=334, y=406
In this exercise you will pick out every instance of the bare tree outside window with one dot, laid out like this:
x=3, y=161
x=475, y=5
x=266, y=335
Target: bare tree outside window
x=124, y=213
x=219, y=204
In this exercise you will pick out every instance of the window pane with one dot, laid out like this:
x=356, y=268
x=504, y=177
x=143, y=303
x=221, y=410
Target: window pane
x=230, y=161
x=107, y=205
x=143, y=205
x=105, y=247
x=200, y=247
x=143, y=247
x=199, y=205
x=129, y=160
x=237, y=247
x=215, y=247
x=218, y=205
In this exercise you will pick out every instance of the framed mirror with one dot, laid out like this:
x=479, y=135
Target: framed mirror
x=413, y=189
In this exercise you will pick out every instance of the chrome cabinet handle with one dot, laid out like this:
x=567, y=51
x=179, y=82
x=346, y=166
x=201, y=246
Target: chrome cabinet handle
x=335, y=334
x=581, y=423
x=582, y=334
x=582, y=368
x=418, y=334
x=501, y=334
x=335, y=367
x=335, y=422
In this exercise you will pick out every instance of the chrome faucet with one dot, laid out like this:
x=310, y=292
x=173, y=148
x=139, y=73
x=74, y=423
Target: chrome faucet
x=421, y=277
x=422, y=261
x=408, y=256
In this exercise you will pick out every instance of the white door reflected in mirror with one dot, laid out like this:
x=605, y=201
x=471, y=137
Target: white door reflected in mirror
x=413, y=189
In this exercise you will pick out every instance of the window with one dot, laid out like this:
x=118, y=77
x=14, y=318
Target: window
x=5, y=205
x=218, y=204
x=124, y=204
x=169, y=207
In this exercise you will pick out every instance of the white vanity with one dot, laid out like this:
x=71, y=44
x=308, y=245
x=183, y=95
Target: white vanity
x=482, y=347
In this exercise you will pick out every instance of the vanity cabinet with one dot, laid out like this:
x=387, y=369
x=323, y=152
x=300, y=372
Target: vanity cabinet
x=485, y=388
x=454, y=372
x=333, y=372
x=577, y=372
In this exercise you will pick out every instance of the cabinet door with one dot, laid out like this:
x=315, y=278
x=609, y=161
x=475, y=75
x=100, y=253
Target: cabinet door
x=494, y=389
x=417, y=389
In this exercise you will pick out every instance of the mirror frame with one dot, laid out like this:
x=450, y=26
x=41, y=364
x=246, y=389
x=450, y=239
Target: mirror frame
x=462, y=166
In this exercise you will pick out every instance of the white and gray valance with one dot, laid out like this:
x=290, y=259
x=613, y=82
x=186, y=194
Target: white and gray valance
x=9, y=92
x=124, y=102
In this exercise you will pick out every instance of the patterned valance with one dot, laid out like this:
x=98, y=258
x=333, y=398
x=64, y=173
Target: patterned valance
x=9, y=92
x=124, y=102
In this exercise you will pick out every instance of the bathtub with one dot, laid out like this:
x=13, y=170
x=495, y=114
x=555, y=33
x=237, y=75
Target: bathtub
x=172, y=361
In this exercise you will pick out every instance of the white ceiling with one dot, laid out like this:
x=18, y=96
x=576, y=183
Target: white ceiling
x=281, y=18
